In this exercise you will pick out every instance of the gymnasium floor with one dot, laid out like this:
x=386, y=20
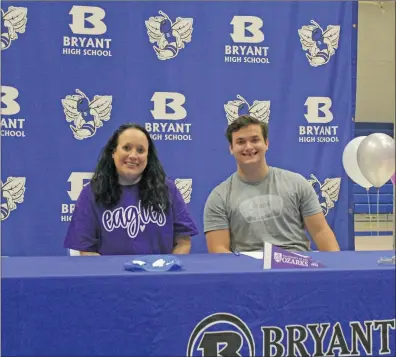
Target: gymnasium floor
x=373, y=241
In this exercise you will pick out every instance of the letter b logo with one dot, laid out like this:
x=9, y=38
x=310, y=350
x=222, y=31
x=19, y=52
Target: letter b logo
x=9, y=106
x=244, y=24
x=166, y=100
x=223, y=335
x=77, y=183
x=80, y=18
x=316, y=105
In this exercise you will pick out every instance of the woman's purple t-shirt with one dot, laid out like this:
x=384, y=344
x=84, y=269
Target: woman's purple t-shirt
x=128, y=228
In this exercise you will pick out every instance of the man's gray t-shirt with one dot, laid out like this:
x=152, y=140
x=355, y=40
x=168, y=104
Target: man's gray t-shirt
x=271, y=210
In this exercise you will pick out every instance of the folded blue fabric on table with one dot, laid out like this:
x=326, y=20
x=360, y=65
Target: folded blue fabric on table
x=154, y=263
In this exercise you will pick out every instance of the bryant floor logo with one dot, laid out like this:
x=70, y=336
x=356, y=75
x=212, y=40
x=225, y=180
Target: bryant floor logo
x=247, y=34
x=169, y=110
x=319, y=45
x=12, y=22
x=318, y=112
x=87, y=20
x=327, y=192
x=86, y=115
x=260, y=109
x=225, y=335
x=11, y=125
x=78, y=180
x=12, y=192
x=169, y=37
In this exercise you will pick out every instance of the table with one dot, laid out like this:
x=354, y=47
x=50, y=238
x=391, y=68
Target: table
x=90, y=306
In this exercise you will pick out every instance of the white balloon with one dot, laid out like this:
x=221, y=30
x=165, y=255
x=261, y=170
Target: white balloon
x=376, y=158
x=350, y=163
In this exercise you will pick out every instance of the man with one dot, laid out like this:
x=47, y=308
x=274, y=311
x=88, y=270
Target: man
x=260, y=203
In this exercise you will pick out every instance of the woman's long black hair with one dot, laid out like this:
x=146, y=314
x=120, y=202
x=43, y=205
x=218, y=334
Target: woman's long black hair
x=153, y=190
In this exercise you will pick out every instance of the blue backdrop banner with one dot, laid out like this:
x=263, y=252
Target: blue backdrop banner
x=73, y=72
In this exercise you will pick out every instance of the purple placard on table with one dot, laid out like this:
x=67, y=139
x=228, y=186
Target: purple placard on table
x=277, y=258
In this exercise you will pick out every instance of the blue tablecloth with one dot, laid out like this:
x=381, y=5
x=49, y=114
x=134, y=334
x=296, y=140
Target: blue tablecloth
x=90, y=306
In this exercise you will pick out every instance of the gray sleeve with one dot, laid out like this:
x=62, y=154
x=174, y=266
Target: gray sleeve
x=309, y=202
x=215, y=216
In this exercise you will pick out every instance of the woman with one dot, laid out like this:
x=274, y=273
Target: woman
x=130, y=207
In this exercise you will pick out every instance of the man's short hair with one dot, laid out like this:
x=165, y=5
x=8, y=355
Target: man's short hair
x=242, y=122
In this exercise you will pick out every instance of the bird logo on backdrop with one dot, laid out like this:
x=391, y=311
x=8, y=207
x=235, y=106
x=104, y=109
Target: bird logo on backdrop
x=185, y=188
x=12, y=192
x=86, y=115
x=12, y=22
x=170, y=37
x=327, y=193
x=319, y=45
x=260, y=109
